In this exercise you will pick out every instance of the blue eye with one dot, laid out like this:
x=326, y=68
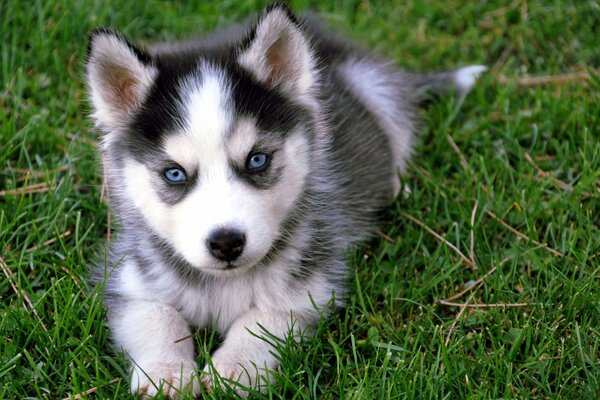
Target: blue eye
x=175, y=176
x=257, y=162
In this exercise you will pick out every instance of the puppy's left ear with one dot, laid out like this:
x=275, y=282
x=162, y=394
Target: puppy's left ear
x=278, y=53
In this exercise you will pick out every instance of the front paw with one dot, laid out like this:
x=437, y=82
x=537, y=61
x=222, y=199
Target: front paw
x=236, y=372
x=172, y=379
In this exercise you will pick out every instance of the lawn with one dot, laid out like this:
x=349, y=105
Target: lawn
x=483, y=283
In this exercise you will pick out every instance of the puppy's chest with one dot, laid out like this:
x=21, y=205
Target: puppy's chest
x=216, y=304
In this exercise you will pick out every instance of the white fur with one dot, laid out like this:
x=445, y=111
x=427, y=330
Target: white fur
x=246, y=354
x=466, y=77
x=207, y=110
x=151, y=333
x=243, y=138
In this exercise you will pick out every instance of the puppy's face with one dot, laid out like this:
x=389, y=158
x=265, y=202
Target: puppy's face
x=219, y=184
x=212, y=154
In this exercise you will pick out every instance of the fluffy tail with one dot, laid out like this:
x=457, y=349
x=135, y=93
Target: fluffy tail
x=460, y=80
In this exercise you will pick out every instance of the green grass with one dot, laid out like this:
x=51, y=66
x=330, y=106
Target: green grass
x=390, y=342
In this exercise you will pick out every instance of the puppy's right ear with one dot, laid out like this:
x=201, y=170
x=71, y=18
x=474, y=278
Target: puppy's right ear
x=119, y=77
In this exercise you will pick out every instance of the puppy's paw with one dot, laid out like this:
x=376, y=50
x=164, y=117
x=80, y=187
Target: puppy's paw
x=172, y=379
x=229, y=367
x=233, y=371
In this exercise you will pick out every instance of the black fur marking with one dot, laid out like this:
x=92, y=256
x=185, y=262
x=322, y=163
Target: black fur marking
x=161, y=114
x=272, y=110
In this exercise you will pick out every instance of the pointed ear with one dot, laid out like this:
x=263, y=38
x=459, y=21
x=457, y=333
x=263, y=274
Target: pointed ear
x=278, y=53
x=119, y=76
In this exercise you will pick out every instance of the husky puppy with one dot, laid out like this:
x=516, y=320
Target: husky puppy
x=241, y=169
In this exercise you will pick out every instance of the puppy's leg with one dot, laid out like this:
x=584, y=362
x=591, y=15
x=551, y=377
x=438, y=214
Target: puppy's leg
x=244, y=357
x=150, y=333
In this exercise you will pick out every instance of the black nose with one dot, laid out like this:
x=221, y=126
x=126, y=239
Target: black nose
x=226, y=244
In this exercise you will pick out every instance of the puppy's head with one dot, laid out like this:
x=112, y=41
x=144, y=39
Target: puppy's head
x=210, y=149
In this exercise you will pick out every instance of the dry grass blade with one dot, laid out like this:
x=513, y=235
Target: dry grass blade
x=456, y=319
x=557, y=182
x=27, y=304
x=541, y=172
x=485, y=305
x=83, y=395
x=82, y=139
x=108, y=226
x=466, y=304
x=104, y=190
x=545, y=80
x=502, y=11
x=29, y=174
x=501, y=60
x=475, y=285
x=48, y=242
x=523, y=236
x=545, y=157
x=463, y=160
x=472, y=236
x=472, y=258
x=73, y=278
x=384, y=236
x=438, y=237
x=104, y=197
x=35, y=188
x=185, y=338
